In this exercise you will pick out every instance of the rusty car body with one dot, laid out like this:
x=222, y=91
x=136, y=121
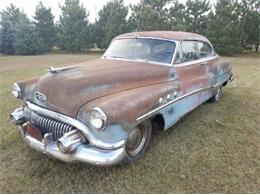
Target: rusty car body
x=102, y=112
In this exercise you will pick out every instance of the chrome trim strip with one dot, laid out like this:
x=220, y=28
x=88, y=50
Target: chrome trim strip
x=143, y=37
x=77, y=124
x=152, y=112
x=195, y=61
x=84, y=153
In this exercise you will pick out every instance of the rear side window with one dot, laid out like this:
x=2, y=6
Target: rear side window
x=189, y=50
x=204, y=49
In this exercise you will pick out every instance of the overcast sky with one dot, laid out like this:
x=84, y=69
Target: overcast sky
x=28, y=6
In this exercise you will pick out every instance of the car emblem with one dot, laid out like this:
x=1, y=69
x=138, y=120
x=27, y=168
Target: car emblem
x=41, y=97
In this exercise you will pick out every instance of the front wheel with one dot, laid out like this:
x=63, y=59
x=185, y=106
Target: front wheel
x=216, y=97
x=137, y=142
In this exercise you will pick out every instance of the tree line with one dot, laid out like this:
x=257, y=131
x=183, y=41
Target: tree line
x=231, y=25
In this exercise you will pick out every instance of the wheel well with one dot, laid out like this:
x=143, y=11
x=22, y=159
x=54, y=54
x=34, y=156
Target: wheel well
x=225, y=83
x=158, y=123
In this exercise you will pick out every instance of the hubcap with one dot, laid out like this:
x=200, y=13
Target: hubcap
x=136, y=140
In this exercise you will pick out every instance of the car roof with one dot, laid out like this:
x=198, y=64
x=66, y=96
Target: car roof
x=171, y=35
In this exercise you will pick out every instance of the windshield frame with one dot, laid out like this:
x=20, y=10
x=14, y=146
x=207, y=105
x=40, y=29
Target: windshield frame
x=140, y=60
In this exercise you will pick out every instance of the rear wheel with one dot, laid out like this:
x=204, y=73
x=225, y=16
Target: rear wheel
x=137, y=142
x=217, y=95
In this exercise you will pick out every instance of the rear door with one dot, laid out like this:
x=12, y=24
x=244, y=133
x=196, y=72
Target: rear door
x=191, y=74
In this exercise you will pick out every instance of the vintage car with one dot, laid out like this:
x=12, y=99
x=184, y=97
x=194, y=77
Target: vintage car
x=103, y=112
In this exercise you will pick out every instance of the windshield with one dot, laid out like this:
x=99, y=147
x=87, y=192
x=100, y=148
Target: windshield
x=154, y=50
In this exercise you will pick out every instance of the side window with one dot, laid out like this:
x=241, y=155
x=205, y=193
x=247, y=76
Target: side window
x=189, y=50
x=205, y=49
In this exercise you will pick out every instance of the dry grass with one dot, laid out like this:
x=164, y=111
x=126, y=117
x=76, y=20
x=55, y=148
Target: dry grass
x=215, y=148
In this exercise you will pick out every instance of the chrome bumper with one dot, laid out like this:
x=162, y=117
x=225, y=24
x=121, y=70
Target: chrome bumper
x=84, y=153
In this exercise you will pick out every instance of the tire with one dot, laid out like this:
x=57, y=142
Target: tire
x=217, y=95
x=137, y=142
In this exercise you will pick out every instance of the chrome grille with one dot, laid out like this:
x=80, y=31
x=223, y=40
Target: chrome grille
x=48, y=125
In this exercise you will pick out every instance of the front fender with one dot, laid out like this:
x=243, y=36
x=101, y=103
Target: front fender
x=123, y=108
x=27, y=87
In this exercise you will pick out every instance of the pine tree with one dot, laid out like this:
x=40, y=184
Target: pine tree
x=149, y=15
x=18, y=35
x=224, y=28
x=73, y=28
x=9, y=20
x=27, y=40
x=196, y=15
x=176, y=16
x=44, y=22
x=112, y=22
x=6, y=35
x=250, y=23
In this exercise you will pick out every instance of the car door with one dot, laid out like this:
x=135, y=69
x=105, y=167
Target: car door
x=191, y=70
x=191, y=75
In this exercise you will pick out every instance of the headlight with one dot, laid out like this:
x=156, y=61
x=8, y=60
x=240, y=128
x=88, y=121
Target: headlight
x=16, y=90
x=98, y=118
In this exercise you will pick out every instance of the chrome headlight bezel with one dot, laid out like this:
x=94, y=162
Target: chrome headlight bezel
x=16, y=90
x=98, y=119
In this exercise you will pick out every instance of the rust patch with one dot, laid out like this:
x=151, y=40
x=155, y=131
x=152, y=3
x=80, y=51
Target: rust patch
x=67, y=91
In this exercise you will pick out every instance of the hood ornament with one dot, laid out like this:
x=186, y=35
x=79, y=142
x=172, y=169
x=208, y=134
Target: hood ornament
x=53, y=70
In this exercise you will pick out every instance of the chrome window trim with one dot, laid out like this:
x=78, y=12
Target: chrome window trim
x=209, y=44
x=77, y=124
x=195, y=61
x=177, y=48
x=146, y=61
x=214, y=55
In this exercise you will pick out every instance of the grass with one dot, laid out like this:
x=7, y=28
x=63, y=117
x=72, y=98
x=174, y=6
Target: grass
x=214, y=149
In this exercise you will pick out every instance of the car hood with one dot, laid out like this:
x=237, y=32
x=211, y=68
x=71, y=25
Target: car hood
x=68, y=90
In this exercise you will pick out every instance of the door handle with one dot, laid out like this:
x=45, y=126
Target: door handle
x=203, y=63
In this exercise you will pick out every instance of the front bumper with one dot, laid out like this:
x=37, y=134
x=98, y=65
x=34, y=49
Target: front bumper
x=86, y=153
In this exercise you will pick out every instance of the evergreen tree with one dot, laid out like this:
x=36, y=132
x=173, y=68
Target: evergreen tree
x=73, y=27
x=149, y=15
x=44, y=22
x=176, y=16
x=9, y=20
x=250, y=23
x=18, y=35
x=224, y=28
x=27, y=40
x=6, y=35
x=112, y=22
x=196, y=14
